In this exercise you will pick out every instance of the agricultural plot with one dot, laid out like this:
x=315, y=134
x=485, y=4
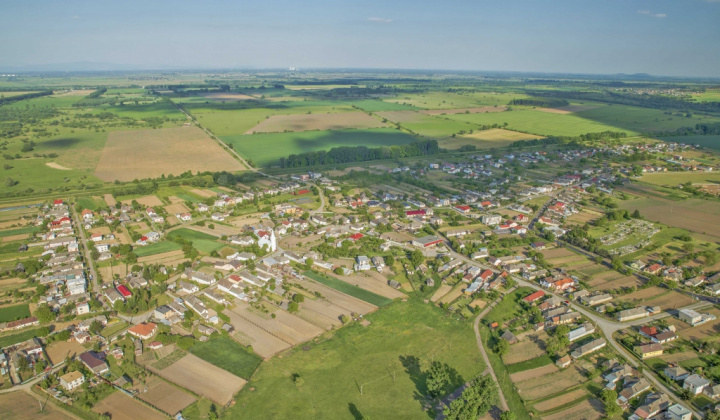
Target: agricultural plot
x=703, y=331
x=202, y=378
x=695, y=215
x=285, y=326
x=267, y=149
x=23, y=406
x=227, y=354
x=485, y=139
x=165, y=397
x=122, y=407
x=202, y=241
x=15, y=312
x=263, y=343
x=440, y=292
x=142, y=154
x=60, y=350
x=381, y=106
x=529, y=348
x=587, y=410
x=321, y=313
x=305, y=122
x=157, y=248
x=640, y=120
x=543, y=386
x=225, y=96
x=374, y=282
x=433, y=127
x=561, y=400
x=480, y=110
x=611, y=280
x=711, y=142
x=349, y=289
x=529, y=374
x=568, y=109
x=359, y=354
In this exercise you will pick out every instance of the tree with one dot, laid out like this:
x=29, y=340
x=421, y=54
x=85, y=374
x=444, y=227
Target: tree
x=437, y=379
x=636, y=214
x=390, y=260
x=712, y=414
x=299, y=298
x=416, y=258
x=96, y=327
x=44, y=314
x=507, y=415
x=345, y=319
x=609, y=399
x=501, y=347
x=293, y=307
x=475, y=401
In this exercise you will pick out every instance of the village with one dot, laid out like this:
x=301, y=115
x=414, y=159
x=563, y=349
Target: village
x=131, y=294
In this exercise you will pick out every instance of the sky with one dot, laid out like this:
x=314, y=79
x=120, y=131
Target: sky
x=659, y=37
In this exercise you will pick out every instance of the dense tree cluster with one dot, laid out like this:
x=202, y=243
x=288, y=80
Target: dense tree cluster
x=5, y=101
x=542, y=102
x=350, y=154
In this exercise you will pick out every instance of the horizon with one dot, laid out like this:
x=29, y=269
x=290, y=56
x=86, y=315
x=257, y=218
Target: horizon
x=665, y=37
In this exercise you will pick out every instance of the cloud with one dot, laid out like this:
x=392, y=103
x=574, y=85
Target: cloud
x=379, y=20
x=651, y=14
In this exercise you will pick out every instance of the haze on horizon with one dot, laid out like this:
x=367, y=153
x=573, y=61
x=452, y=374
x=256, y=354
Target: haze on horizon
x=659, y=37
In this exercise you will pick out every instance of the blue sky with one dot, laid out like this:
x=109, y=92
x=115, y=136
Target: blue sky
x=661, y=37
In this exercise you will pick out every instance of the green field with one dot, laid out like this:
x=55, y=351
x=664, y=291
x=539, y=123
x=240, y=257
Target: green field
x=9, y=340
x=267, y=149
x=350, y=289
x=447, y=100
x=379, y=106
x=635, y=119
x=508, y=308
x=334, y=367
x=156, y=248
x=13, y=313
x=201, y=241
x=19, y=231
x=436, y=127
x=227, y=354
x=529, y=364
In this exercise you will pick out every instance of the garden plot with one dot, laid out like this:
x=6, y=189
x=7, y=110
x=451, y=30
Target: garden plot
x=561, y=400
x=263, y=343
x=122, y=407
x=529, y=374
x=540, y=387
x=527, y=349
x=305, y=122
x=440, y=292
x=587, y=410
x=285, y=326
x=321, y=312
x=557, y=253
x=23, y=406
x=373, y=282
x=342, y=300
x=202, y=378
x=60, y=350
x=166, y=397
x=613, y=280
x=177, y=208
x=110, y=200
x=108, y=272
x=636, y=231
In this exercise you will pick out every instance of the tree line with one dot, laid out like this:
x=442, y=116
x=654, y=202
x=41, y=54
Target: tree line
x=541, y=102
x=5, y=101
x=350, y=154
x=702, y=129
x=550, y=140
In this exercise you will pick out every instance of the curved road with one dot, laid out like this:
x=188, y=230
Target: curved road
x=476, y=324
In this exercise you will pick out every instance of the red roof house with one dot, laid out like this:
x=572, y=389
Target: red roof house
x=356, y=236
x=415, y=213
x=58, y=202
x=534, y=296
x=124, y=291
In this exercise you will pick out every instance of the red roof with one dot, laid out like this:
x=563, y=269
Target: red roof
x=534, y=296
x=143, y=330
x=124, y=291
x=563, y=282
x=486, y=203
x=486, y=274
x=356, y=236
x=58, y=202
x=651, y=331
x=415, y=213
x=86, y=211
x=302, y=192
x=463, y=208
x=144, y=238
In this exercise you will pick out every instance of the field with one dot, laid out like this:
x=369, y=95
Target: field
x=202, y=378
x=123, y=407
x=142, y=154
x=695, y=215
x=267, y=149
x=711, y=142
x=22, y=406
x=374, y=282
x=427, y=125
x=165, y=397
x=285, y=326
x=59, y=350
x=480, y=110
x=332, y=369
x=350, y=289
x=263, y=343
x=526, y=375
x=528, y=348
x=305, y=122
x=543, y=386
x=13, y=313
x=156, y=248
x=229, y=355
x=561, y=400
x=485, y=139
x=18, y=338
x=202, y=241
x=586, y=410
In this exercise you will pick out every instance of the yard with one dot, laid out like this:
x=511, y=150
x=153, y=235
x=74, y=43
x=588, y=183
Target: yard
x=227, y=354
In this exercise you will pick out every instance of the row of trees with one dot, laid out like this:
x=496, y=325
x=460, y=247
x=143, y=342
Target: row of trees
x=350, y=154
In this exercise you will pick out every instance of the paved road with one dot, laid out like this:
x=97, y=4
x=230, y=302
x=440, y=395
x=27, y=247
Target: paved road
x=88, y=258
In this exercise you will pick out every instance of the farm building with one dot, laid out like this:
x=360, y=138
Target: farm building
x=426, y=241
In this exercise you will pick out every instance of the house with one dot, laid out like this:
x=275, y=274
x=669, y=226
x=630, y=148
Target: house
x=362, y=263
x=187, y=287
x=632, y=389
x=378, y=262
x=197, y=305
x=564, y=361
x=712, y=391
x=95, y=362
x=534, y=296
x=654, y=403
x=426, y=241
x=509, y=337
x=72, y=380
x=491, y=219
x=588, y=348
x=678, y=412
x=695, y=384
x=82, y=308
x=143, y=331
x=155, y=345
x=124, y=291
x=584, y=330
x=596, y=299
x=676, y=373
x=648, y=350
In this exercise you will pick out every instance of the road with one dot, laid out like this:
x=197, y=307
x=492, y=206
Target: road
x=322, y=203
x=88, y=258
x=29, y=384
x=476, y=325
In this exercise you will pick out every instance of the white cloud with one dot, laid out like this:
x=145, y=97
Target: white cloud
x=379, y=20
x=659, y=15
x=655, y=15
x=644, y=12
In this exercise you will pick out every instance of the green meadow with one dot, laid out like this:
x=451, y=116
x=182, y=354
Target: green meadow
x=267, y=149
x=387, y=359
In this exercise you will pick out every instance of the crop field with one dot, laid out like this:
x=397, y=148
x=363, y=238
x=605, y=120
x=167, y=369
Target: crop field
x=267, y=149
x=436, y=127
x=142, y=154
x=263, y=343
x=673, y=179
x=322, y=313
x=227, y=354
x=381, y=106
x=8, y=340
x=543, y=386
x=332, y=369
x=156, y=248
x=485, y=139
x=540, y=123
x=447, y=100
x=164, y=257
x=587, y=410
x=285, y=326
x=305, y=122
x=672, y=300
x=23, y=406
x=480, y=110
x=533, y=373
x=635, y=119
x=34, y=173
x=528, y=348
x=612, y=280
x=568, y=109
x=225, y=96
x=440, y=292
x=123, y=407
x=350, y=289
x=561, y=400
x=202, y=378
x=374, y=282
x=711, y=142
x=710, y=95
x=13, y=313
x=695, y=215
x=201, y=241
x=167, y=398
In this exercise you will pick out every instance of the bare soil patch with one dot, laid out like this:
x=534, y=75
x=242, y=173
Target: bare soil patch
x=701, y=332
x=263, y=342
x=110, y=200
x=525, y=350
x=672, y=300
x=374, y=282
x=287, y=327
x=107, y=272
x=166, y=397
x=204, y=193
x=146, y=200
x=138, y=154
x=557, y=253
x=587, y=410
x=202, y=378
x=567, y=109
x=59, y=350
x=123, y=407
x=481, y=110
x=305, y=122
x=226, y=96
x=79, y=92
x=338, y=298
x=533, y=373
x=57, y=166
x=170, y=255
x=176, y=208
x=560, y=400
x=17, y=237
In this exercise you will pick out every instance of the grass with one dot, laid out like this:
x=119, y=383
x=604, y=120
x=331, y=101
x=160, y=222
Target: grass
x=168, y=360
x=19, y=231
x=380, y=106
x=201, y=241
x=113, y=328
x=157, y=248
x=13, y=313
x=333, y=368
x=90, y=203
x=711, y=142
x=529, y=364
x=508, y=308
x=676, y=178
x=227, y=354
x=267, y=149
x=349, y=289
x=9, y=340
